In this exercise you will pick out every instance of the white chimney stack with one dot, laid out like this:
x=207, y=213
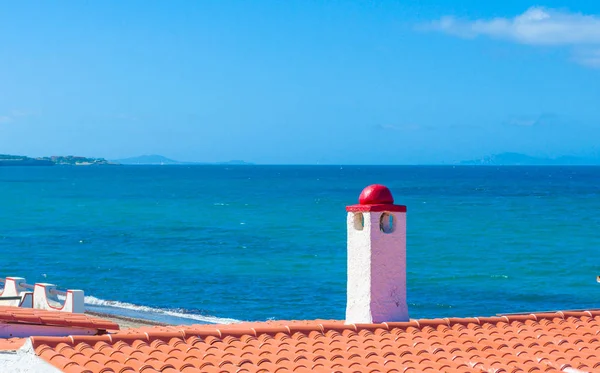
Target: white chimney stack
x=376, y=258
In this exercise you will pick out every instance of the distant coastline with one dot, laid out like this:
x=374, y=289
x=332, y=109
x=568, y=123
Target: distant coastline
x=70, y=160
x=518, y=159
x=500, y=159
x=155, y=159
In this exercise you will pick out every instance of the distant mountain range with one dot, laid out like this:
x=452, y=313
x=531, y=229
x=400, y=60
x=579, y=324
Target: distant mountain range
x=518, y=159
x=155, y=159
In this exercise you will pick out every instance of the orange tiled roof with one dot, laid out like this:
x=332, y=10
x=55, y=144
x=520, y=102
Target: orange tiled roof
x=17, y=315
x=10, y=344
x=542, y=342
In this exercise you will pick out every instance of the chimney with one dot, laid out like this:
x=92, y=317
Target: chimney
x=376, y=258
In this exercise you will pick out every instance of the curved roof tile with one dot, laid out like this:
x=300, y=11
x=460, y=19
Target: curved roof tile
x=541, y=342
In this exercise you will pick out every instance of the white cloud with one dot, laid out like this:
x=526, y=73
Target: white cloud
x=536, y=26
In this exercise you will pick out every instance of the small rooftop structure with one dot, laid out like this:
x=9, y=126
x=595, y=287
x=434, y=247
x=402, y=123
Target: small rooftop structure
x=377, y=335
x=376, y=258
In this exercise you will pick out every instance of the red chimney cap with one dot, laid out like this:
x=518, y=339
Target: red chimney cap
x=376, y=197
x=376, y=194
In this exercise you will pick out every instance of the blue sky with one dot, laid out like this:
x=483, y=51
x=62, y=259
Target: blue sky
x=330, y=82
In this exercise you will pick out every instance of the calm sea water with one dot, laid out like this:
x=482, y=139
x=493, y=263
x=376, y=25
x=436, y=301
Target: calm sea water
x=210, y=243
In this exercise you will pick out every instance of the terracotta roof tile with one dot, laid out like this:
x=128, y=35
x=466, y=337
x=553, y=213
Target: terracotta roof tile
x=545, y=342
x=43, y=317
x=11, y=344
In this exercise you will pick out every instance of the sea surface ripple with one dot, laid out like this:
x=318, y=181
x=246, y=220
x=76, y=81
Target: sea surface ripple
x=225, y=243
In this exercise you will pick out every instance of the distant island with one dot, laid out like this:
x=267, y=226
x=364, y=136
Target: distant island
x=154, y=159
x=518, y=159
x=148, y=160
x=21, y=160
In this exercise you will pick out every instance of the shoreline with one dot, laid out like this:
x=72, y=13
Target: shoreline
x=125, y=322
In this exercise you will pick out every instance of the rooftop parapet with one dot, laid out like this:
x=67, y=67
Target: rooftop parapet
x=40, y=296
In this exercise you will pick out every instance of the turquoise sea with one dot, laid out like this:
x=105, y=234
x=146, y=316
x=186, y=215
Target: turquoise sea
x=192, y=244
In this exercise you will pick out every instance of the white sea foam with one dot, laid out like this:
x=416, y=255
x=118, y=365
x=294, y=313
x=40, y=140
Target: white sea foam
x=152, y=313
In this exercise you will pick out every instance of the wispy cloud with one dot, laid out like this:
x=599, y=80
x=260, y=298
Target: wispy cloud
x=536, y=26
x=128, y=117
x=12, y=116
x=588, y=57
x=401, y=127
x=546, y=119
